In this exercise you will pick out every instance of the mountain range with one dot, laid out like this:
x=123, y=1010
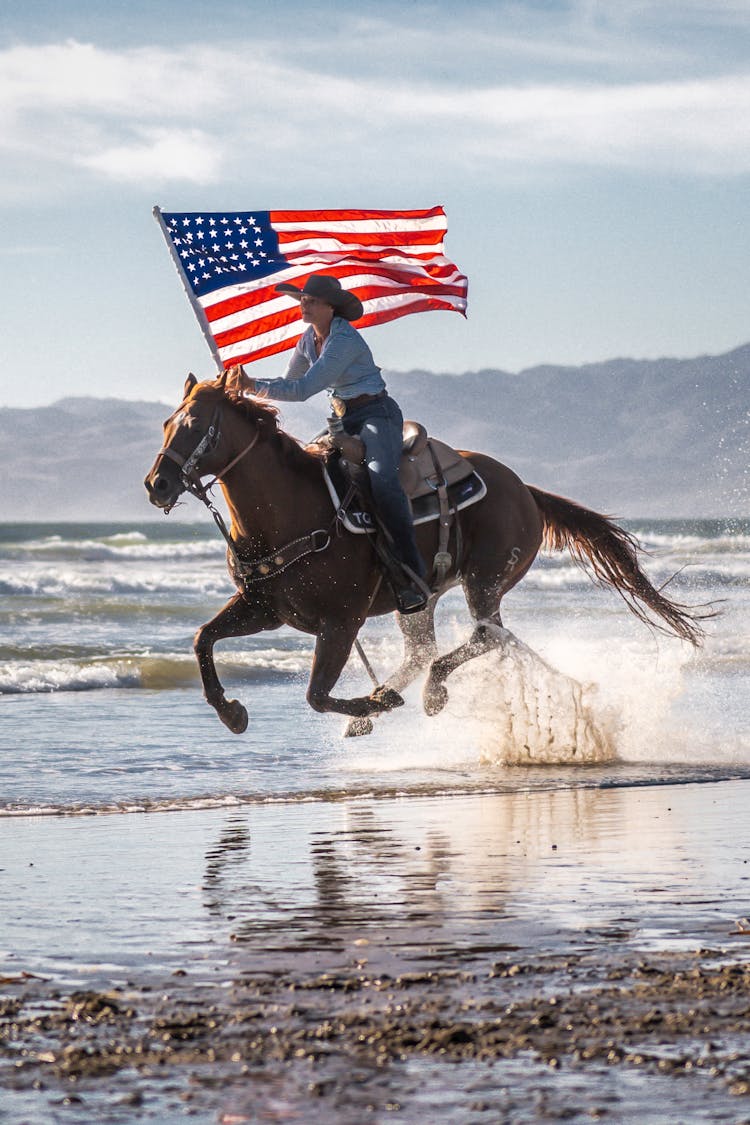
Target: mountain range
x=634, y=438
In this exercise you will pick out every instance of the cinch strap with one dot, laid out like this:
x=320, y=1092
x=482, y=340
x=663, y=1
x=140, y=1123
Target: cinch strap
x=260, y=570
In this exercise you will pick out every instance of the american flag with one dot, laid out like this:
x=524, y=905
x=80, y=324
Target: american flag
x=230, y=263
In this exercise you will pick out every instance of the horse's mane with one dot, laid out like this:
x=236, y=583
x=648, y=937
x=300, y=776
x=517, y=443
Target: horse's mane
x=265, y=417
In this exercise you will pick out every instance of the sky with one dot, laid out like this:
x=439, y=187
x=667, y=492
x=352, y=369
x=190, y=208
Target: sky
x=593, y=159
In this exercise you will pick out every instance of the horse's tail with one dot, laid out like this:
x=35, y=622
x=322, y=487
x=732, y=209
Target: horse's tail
x=612, y=554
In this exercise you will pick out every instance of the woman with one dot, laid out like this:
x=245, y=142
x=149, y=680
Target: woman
x=331, y=355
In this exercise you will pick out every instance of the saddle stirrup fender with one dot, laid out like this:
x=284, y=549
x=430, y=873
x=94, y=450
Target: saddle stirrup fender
x=407, y=586
x=437, y=480
x=410, y=591
x=442, y=560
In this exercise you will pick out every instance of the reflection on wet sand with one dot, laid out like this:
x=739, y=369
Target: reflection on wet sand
x=231, y=850
x=571, y=954
x=456, y=871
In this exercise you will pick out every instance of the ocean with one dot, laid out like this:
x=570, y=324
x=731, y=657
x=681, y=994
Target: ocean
x=102, y=711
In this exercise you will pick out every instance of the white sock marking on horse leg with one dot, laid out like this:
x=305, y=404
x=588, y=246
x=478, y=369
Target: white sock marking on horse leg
x=495, y=629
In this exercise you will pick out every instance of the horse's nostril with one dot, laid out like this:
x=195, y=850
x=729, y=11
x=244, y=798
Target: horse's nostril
x=160, y=485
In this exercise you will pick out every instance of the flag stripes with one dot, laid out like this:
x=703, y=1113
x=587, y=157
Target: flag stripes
x=231, y=264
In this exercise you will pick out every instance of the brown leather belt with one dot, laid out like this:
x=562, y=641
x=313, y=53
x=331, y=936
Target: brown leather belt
x=342, y=406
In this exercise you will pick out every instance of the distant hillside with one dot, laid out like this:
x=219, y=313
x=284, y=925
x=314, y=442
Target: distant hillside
x=632, y=437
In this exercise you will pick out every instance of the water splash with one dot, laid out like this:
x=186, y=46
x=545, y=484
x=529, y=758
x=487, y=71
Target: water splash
x=526, y=712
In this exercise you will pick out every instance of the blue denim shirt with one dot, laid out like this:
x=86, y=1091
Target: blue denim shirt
x=345, y=367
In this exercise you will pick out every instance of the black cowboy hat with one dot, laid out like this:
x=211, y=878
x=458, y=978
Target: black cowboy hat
x=327, y=288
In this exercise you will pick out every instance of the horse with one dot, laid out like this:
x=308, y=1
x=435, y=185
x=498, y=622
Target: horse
x=294, y=565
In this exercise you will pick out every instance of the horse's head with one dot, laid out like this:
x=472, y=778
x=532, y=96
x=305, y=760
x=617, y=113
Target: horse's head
x=192, y=437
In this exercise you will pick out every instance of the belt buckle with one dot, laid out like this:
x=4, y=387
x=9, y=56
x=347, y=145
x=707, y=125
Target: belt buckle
x=338, y=405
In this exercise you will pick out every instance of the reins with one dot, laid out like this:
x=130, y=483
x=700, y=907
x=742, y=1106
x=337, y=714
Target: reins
x=209, y=441
x=275, y=562
x=258, y=570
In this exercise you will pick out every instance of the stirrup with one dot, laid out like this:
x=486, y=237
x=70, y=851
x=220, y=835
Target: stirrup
x=410, y=600
x=410, y=590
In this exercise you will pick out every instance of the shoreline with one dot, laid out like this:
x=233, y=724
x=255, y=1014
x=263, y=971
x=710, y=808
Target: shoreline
x=617, y=774
x=523, y=956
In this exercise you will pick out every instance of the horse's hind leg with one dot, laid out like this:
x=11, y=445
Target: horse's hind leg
x=485, y=583
x=420, y=647
x=488, y=634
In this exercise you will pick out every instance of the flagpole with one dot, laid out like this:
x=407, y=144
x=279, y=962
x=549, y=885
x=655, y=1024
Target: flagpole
x=197, y=308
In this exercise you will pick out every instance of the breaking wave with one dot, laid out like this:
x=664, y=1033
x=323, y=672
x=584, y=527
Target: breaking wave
x=149, y=672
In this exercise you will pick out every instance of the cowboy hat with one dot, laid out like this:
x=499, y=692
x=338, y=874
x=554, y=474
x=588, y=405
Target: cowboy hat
x=327, y=288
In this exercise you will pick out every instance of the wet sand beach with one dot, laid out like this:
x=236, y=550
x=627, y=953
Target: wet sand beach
x=570, y=955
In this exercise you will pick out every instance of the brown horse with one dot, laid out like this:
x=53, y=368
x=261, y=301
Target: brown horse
x=302, y=569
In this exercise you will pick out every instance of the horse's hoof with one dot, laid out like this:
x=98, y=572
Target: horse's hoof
x=357, y=727
x=435, y=699
x=234, y=716
x=386, y=698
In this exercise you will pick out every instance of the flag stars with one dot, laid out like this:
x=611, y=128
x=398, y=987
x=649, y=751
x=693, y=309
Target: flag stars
x=218, y=250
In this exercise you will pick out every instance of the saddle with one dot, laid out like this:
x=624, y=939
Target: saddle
x=437, y=479
x=427, y=463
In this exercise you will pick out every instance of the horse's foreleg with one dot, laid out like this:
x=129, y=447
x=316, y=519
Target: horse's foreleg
x=488, y=634
x=238, y=618
x=332, y=650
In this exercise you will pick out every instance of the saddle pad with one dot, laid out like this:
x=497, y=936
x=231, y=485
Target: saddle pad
x=424, y=508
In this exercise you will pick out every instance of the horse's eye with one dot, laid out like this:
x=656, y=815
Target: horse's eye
x=175, y=419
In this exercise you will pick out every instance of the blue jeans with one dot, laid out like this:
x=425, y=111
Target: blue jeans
x=379, y=425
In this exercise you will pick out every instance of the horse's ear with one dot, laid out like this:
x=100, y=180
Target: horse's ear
x=190, y=382
x=222, y=378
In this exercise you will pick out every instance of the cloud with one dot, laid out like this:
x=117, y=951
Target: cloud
x=161, y=154
x=530, y=41
x=80, y=77
x=698, y=127
x=196, y=114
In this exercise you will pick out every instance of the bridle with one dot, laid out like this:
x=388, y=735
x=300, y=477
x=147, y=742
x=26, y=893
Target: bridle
x=190, y=475
x=260, y=569
x=188, y=466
